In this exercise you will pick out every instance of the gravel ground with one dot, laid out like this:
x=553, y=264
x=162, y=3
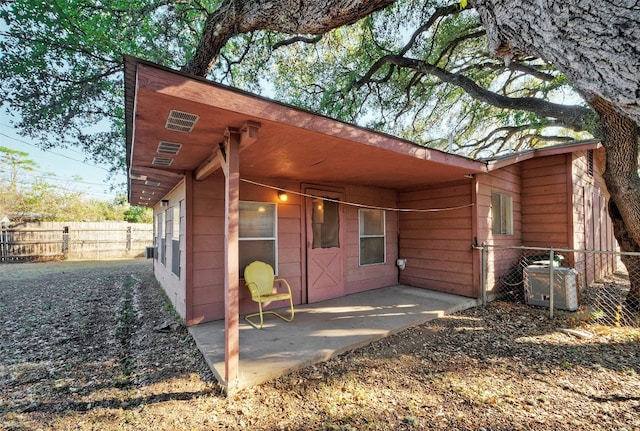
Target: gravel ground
x=93, y=346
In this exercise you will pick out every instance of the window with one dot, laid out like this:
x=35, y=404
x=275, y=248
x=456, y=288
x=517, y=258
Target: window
x=590, y=163
x=165, y=237
x=325, y=222
x=258, y=234
x=161, y=235
x=158, y=235
x=175, y=240
x=175, y=230
x=372, y=236
x=502, y=214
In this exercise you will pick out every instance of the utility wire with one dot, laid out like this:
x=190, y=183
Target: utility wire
x=357, y=204
x=53, y=152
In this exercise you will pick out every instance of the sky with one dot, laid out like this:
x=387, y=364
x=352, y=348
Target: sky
x=64, y=164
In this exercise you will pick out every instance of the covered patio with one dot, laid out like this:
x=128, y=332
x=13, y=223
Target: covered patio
x=322, y=330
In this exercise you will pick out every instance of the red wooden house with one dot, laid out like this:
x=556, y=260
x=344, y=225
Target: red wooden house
x=213, y=162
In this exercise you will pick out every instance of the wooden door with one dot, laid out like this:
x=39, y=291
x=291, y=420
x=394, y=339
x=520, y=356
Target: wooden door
x=325, y=244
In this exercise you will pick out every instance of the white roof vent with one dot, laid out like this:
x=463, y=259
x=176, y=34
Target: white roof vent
x=152, y=183
x=181, y=121
x=168, y=148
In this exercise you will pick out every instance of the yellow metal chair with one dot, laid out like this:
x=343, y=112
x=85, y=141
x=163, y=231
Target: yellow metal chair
x=260, y=280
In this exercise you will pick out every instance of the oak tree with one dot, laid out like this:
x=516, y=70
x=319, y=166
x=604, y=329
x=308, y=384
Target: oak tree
x=410, y=67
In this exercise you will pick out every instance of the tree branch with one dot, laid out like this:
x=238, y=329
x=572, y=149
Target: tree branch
x=573, y=117
x=435, y=16
x=295, y=39
x=234, y=17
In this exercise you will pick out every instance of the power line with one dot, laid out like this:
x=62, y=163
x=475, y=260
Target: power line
x=82, y=192
x=53, y=152
x=12, y=127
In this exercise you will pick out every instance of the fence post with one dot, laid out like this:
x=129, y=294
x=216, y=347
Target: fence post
x=65, y=241
x=4, y=240
x=483, y=272
x=551, y=271
x=128, y=238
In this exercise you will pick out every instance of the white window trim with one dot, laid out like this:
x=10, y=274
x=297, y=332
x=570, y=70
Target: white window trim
x=383, y=236
x=175, y=233
x=275, y=231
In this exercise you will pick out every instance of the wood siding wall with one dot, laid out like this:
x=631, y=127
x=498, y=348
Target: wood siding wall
x=592, y=228
x=173, y=284
x=290, y=240
x=206, y=291
x=360, y=278
x=546, y=205
x=500, y=262
x=437, y=245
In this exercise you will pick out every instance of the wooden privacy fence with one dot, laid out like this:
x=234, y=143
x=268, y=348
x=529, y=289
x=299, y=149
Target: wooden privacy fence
x=22, y=242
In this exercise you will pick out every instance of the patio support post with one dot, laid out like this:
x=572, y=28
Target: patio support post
x=232, y=276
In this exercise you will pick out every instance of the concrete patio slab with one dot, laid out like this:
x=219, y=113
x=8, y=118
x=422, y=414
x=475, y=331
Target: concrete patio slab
x=323, y=330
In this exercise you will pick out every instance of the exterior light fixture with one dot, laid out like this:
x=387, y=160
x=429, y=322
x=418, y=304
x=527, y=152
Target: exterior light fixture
x=282, y=196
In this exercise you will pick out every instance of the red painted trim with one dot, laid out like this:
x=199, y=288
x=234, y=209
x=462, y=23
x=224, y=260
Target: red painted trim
x=542, y=152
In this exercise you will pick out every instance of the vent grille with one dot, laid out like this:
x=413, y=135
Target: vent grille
x=169, y=148
x=152, y=183
x=162, y=161
x=181, y=121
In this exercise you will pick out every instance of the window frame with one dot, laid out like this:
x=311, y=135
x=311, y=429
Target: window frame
x=504, y=209
x=274, y=238
x=176, y=253
x=162, y=237
x=175, y=221
x=362, y=236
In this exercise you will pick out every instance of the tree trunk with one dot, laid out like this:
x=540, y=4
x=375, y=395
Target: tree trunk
x=632, y=263
x=620, y=139
x=595, y=43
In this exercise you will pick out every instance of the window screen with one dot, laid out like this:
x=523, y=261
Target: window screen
x=372, y=236
x=258, y=233
x=501, y=214
x=158, y=228
x=163, y=241
x=175, y=228
x=175, y=240
x=325, y=221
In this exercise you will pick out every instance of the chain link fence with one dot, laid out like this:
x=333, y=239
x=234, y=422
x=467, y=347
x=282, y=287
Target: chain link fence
x=596, y=286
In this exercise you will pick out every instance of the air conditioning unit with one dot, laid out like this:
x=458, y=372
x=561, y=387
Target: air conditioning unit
x=152, y=252
x=565, y=287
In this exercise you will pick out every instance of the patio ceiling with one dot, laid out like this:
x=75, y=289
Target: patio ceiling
x=291, y=143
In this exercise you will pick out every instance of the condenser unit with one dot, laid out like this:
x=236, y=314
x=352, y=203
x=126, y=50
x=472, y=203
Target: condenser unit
x=565, y=289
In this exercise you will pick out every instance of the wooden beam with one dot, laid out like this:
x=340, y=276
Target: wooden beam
x=155, y=172
x=248, y=134
x=210, y=165
x=231, y=260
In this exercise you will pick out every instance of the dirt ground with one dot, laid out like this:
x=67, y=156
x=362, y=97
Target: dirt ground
x=93, y=346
